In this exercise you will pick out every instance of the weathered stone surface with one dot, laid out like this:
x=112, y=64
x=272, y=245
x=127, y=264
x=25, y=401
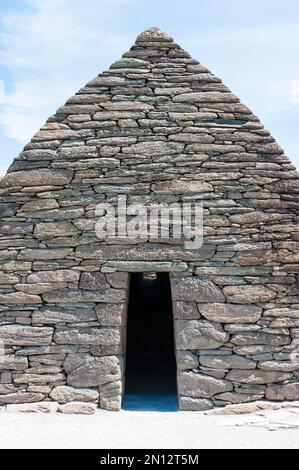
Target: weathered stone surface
x=283, y=392
x=70, y=295
x=206, y=97
x=56, y=315
x=154, y=148
x=38, y=289
x=21, y=397
x=130, y=64
x=16, y=335
x=253, y=350
x=110, y=350
x=12, y=362
x=283, y=313
x=118, y=280
x=128, y=105
x=107, y=81
x=96, y=371
x=186, y=360
x=156, y=253
x=46, y=350
x=73, y=361
x=199, y=334
x=189, y=138
x=66, y=394
x=58, y=134
x=237, y=398
x=248, y=294
x=215, y=148
x=44, y=389
x=111, y=314
x=87, y=336
x=54, y=229
x=45, y=254
x=6, y=389
x=257, y=376
x=225, y=313
x=41, y=407
x=227, y=362
x=93, y=281
x=195, y=404
x=244, y=408
x=37, y=177
x=148, y=266
x=281, y=366
x=8, y=278
x=181, y=187
x=77, y=152
x=57, y=214
x=8, y=210
x=257, y=338
x=111, y=390
x=61, y=275
x=196, y=289
x=284, y=323
x=185, y=311
x=111, y=396
x=39, y=378
x=19, y=298
x=78, y=408
x=40, y=204
x=285, y=186
x=255, y=218
x=111, y=404
x=16, y=228
x=191, y=384
x=153, y=35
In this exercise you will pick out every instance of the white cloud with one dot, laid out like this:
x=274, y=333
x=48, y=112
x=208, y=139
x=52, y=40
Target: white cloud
x=294, y=91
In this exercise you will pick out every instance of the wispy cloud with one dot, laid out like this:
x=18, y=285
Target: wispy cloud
x=294, y=91
x=2, y=91
x=51, y=49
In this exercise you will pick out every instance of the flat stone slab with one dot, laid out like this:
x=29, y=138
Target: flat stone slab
x=225, y=313
x=199, y=334
x=254, y=407
x=17, y=335
x=42, y=407
x=196, y=289
x=96, y=371
x=36, y=177
x=64, y=394
x=75, y=408
x=93, y=336
x=196, y=385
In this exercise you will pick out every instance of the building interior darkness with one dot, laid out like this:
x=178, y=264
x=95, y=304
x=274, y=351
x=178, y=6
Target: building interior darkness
x=150, y=355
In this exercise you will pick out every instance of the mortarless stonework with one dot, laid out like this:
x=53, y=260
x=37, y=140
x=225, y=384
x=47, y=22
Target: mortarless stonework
x=158, y=127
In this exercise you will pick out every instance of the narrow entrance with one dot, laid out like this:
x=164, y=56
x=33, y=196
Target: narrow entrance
x=150, y=356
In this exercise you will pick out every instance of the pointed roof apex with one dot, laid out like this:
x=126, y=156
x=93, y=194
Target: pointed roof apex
x=153, y=35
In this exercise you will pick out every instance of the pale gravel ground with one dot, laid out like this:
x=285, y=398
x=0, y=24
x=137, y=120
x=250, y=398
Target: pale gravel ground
x=130, y=430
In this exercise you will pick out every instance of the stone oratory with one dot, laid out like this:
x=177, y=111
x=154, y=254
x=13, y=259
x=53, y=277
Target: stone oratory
x=84, y=320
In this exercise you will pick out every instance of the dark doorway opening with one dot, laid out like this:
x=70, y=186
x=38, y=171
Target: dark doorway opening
x=150, y=357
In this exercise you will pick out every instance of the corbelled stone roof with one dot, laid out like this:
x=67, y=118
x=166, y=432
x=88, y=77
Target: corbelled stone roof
x=157, y=126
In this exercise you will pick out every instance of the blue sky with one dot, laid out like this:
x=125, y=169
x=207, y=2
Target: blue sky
x=50, y=48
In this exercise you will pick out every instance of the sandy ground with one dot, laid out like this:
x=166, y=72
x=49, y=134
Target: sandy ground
x=160, y=430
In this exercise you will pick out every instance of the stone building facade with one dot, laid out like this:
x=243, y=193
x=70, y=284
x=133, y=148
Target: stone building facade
x=156, y=127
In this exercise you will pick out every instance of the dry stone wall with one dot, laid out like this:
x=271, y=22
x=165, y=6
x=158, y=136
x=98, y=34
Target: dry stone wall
x=157, y=127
